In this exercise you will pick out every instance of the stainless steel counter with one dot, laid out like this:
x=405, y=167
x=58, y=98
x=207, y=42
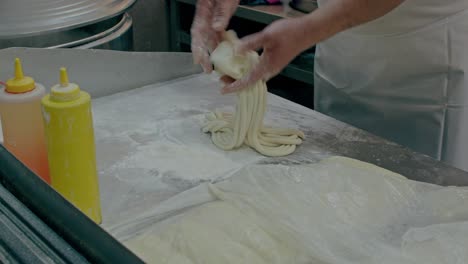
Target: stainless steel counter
x=150, y=145
x=149, y=142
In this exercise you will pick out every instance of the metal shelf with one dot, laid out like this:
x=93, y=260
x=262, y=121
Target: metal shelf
x=184, y=37
x=261, y=14
x=292, y=71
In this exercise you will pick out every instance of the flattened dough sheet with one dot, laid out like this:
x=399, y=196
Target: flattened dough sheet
x=336, y=211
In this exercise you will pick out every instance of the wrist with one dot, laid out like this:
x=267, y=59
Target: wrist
x=305, y=35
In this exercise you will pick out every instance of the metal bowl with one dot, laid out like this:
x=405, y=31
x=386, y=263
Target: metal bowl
x=66, y=24
x=305, y=6
x=115, y=34
x=21, y=18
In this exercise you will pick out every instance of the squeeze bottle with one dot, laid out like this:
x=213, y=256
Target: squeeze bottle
x=22, y=125
x=70, y=142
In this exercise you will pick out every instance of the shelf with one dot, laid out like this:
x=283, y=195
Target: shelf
x=294, y=72
x=291, y=71
x=263, y=13
x=184, y=37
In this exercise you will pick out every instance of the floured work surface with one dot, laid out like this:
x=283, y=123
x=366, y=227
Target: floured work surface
x=150, y=146
x=338, y=210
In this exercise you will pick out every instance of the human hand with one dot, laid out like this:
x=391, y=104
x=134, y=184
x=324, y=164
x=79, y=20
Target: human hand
x=211, y=19
x=281, y=42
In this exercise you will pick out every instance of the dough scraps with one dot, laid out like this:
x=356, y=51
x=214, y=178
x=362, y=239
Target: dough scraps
x=230, y=131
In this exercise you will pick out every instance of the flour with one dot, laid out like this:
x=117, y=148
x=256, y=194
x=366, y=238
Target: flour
x=168, y=150
x=172, y=160
x=150, y=147
x=158, y=137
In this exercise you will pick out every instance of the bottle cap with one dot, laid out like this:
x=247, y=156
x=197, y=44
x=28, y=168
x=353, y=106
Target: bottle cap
x=64, y=91
x=20, y=83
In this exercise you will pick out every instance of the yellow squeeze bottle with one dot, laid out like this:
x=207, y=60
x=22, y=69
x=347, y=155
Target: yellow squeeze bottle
x=22, y=125
x=70, y=143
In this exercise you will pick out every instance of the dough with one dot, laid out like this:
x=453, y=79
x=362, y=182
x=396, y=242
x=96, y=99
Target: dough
x=230, y=131
x=214, y=233
x=337, y=211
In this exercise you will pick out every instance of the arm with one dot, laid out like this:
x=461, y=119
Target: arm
x=283, y=40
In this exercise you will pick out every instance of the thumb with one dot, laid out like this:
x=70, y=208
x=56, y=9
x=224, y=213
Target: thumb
x=256, y=74
x=251, y=42
x=222, y=14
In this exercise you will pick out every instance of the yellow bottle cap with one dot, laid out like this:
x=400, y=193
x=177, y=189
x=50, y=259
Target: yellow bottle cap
x=20, y=83
x=65, y=91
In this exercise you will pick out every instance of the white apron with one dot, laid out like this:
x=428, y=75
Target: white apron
x=403, y=76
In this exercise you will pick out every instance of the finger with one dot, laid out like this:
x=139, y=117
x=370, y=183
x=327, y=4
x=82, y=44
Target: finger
x=222, y=14
x=197, y=48
x=196, y=54
x=203, y=12
x=200, y=24
x=206, y=63
x=212, y=41
x=227, y=79
x=251, y=78
x=251, y=42
x=261, y=71
x=220, y=35
x=200, y=56
x=236, y=86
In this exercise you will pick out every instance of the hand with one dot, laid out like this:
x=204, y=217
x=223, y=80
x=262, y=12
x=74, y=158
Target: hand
x=281, y=41
x=211, y=18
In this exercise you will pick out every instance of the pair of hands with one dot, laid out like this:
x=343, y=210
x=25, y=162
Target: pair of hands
x=279, y=41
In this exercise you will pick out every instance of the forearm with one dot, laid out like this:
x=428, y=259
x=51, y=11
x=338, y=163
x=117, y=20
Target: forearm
x=338, y=15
